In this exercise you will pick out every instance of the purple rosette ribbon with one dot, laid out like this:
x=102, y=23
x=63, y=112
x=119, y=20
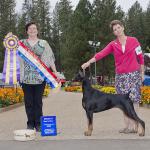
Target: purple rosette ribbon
x=11, y=68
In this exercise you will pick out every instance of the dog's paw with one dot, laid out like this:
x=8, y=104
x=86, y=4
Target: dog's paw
x=142, y=134
x=87, y=133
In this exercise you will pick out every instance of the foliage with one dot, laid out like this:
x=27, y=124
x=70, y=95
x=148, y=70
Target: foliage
x=145, y=95
x=36, y=11
x=78, y=35
x=46, y=91
x=7, y=23
x=135, y=23
x=10, y=96
x=61, y=24
x=104, y=11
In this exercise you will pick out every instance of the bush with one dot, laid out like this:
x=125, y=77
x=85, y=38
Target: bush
x=145, y=90
x=10, y=96
x=46, y=91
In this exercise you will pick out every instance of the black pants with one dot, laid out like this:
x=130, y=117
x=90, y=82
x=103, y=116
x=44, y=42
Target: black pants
x=33, y=103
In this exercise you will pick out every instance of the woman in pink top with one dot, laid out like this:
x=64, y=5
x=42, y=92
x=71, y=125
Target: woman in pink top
x=129, y=67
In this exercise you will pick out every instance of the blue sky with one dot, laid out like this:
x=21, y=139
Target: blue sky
x=125, y=4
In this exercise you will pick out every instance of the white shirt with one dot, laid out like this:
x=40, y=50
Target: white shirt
x=123, y=48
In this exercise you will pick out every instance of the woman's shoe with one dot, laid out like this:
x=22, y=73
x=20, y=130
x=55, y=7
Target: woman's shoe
x=130, y=131
x=127, y=131
x=123, y=130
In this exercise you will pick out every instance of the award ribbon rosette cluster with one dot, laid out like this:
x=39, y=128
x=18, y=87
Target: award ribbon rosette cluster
x=27, y=55
x=11, y=68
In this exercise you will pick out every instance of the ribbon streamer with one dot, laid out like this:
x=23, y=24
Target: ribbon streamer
x=11, y=68
x=26, y=54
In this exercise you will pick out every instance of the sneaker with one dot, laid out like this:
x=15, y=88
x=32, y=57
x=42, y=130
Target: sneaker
x=123, y=130
x=127, y=131
x=130, y=131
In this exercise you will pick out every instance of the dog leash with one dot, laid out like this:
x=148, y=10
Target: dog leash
x=84, y=72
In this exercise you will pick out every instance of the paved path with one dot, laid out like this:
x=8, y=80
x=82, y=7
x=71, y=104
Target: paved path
x=71, y=120
x=96, y=144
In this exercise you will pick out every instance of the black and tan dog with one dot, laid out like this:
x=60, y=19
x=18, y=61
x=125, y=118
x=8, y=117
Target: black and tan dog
x=94, y=101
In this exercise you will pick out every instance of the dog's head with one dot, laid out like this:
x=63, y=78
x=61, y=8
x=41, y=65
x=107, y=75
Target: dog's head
x=79, y=76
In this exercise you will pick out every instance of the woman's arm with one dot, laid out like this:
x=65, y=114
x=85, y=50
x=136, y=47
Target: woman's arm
x=107, y=50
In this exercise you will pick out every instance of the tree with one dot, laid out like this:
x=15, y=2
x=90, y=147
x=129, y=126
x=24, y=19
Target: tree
x=56, y=35
x=43, y=18
x=147, y=29
x=104, y=11
x=36, y=11
x=76, y=38
x=135, y=23
x=27, y=15
x=61, y=25
x=29, y=10
x=7, y=23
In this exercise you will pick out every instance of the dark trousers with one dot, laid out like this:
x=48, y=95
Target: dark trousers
x=33, y=103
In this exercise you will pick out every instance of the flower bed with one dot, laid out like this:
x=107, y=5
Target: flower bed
x=46, y=91
x=10, y=96
x=145, y=91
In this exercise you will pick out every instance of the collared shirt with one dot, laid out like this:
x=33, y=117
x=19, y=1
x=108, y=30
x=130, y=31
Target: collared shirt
x=127, y=61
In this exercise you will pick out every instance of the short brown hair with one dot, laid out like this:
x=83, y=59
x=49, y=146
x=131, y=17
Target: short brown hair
x=115, y=22
x=29, y=24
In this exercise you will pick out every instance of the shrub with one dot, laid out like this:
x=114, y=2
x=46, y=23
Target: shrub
x=10, y=96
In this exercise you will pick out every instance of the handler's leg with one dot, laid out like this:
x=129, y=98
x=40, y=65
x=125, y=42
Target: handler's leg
x=38, y=93
x=29, y=106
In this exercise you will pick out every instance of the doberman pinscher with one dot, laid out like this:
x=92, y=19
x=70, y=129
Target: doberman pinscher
x=94, y=101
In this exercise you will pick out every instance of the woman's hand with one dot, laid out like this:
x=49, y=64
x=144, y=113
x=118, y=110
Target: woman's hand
x=85, y=65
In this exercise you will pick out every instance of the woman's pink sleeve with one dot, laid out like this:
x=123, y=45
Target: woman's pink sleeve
x=106, y=51
x=140, y=59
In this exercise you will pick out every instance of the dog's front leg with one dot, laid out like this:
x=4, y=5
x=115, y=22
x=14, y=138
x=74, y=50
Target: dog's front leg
x=90, y=123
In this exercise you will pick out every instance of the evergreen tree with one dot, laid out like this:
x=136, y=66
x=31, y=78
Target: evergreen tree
x=36, y=11
x=147, y=29
x=61, y=25
x=27, y=15
x=104, y=11
x=7, y=23
x=29, y=10
x=56, y=35
x=79, y=34
x=21, y=26
x=43, y=18
x=135, y=23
